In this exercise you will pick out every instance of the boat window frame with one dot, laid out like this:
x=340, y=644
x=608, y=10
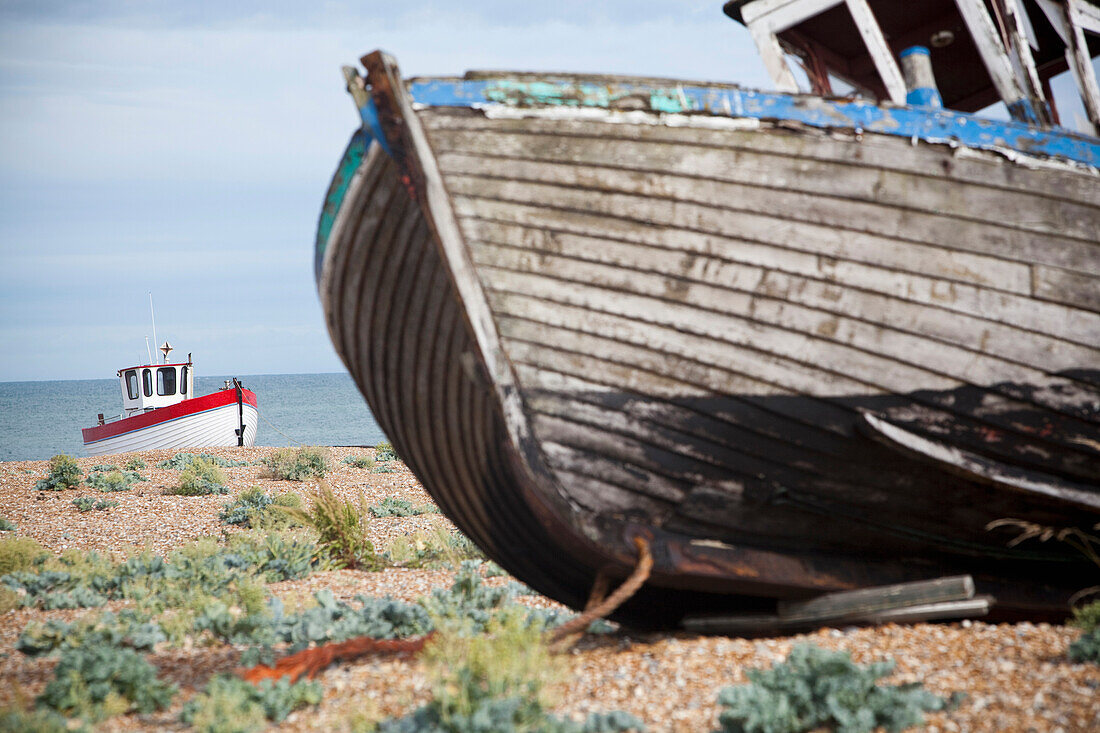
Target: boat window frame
x=183, y=380
x=166, y=377
x=147, y=382
x=132, y=389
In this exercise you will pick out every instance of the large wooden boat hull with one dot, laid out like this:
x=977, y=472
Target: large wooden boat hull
x=212, y=420
x=795, y=360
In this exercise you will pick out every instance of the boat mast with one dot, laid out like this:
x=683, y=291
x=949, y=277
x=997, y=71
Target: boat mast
x=153, y=318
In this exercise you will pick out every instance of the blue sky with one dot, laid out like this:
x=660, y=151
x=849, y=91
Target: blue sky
x=184, y=149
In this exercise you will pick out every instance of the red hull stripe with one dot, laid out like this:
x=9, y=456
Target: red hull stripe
x=161, y=415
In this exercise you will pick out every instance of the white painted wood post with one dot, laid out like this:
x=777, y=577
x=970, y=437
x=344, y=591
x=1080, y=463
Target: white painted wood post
x=880, y=52
x=1082, y=17
x=992, y=52
x=1022, y=57
x=767, y=45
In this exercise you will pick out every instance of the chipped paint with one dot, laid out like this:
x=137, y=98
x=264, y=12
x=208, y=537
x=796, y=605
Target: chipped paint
x=527, y=97
x=334, y=197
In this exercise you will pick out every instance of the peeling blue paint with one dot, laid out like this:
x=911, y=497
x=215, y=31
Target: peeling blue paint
x=334, y=198
x=920, y=123
x=372, y=125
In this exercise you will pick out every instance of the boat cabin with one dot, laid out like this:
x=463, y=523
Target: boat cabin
x=981, y=51
x=149, y=386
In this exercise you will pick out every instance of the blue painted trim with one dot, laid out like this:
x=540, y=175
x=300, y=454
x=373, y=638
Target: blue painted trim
x=921, y=123
x=924, y=97
x=373, y=126
x=918, y=50
x=181, y=417
x=334, y=198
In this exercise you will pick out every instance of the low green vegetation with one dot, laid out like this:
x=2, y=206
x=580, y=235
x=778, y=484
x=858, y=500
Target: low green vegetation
x=384, y=452
x=433, y=549
x=113, y=479
x=257, y=509
x=20, y=719
x=341, y=527
x=229, y=704
x=98, y=682
x=298, y=464
x=19, y=554
x=818, y=689
x=183, y=461
x=359, y=461
x=135, y=464
x=64, y=473
x=6, y=525
x=1087, y=648
x=105, y=467
x=384, y=469
x=499, y=680
x=391, y=506
x=87, y=504
x=200, y=478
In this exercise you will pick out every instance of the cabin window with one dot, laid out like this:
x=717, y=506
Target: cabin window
x=183, y=380
x=166, y=381
x=132, y=384
x=147, y=382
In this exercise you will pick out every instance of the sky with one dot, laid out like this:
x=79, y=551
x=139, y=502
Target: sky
x=184, y=149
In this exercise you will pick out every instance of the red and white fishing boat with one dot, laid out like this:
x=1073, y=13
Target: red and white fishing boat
x=159, y=413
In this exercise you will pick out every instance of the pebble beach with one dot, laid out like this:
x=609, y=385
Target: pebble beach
x=1015, y=677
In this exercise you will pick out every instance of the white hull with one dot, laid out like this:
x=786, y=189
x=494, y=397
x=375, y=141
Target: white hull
x=212, y=428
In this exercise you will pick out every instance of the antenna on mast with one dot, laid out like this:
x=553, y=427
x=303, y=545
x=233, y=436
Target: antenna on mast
x=153, y=318
x=148, y=354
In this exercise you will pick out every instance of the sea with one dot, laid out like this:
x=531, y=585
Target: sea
x=42, y=419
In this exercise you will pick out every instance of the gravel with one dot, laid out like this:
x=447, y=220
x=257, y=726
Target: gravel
x=1016, y=676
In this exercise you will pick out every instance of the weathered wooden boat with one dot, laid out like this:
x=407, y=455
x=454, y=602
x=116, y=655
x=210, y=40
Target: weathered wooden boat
x=160, y=410
x=798, y=343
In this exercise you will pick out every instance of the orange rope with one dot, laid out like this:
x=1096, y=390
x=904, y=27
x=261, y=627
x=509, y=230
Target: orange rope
x=309, y=662
x=606, y=606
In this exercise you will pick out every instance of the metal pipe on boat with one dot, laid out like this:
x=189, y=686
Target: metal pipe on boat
x=920, y=82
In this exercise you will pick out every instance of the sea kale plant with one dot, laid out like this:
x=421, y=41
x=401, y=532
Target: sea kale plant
x=112, y=479
x=818, y=689
x=87, y=504
x=182, y=461
x=499, y=680
x=391, y=506
x=359, y=461
x=201, y=478
x=228, y=703
x=1087, y=648
x=64, y=473
x=384, y=452
x=95, y=682
x=255, y=508
x=298, y=464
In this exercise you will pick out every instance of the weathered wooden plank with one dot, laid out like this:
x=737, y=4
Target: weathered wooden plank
x=969, y=417
x=769, y=308
x=995, y=339
x=569, y=186
x=869, y=600
x=827, y=356
x=1057, y=320
x=870, y=152
x=742, y=366
x=757, y=624
x=1069, y=287
x=477, y=151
